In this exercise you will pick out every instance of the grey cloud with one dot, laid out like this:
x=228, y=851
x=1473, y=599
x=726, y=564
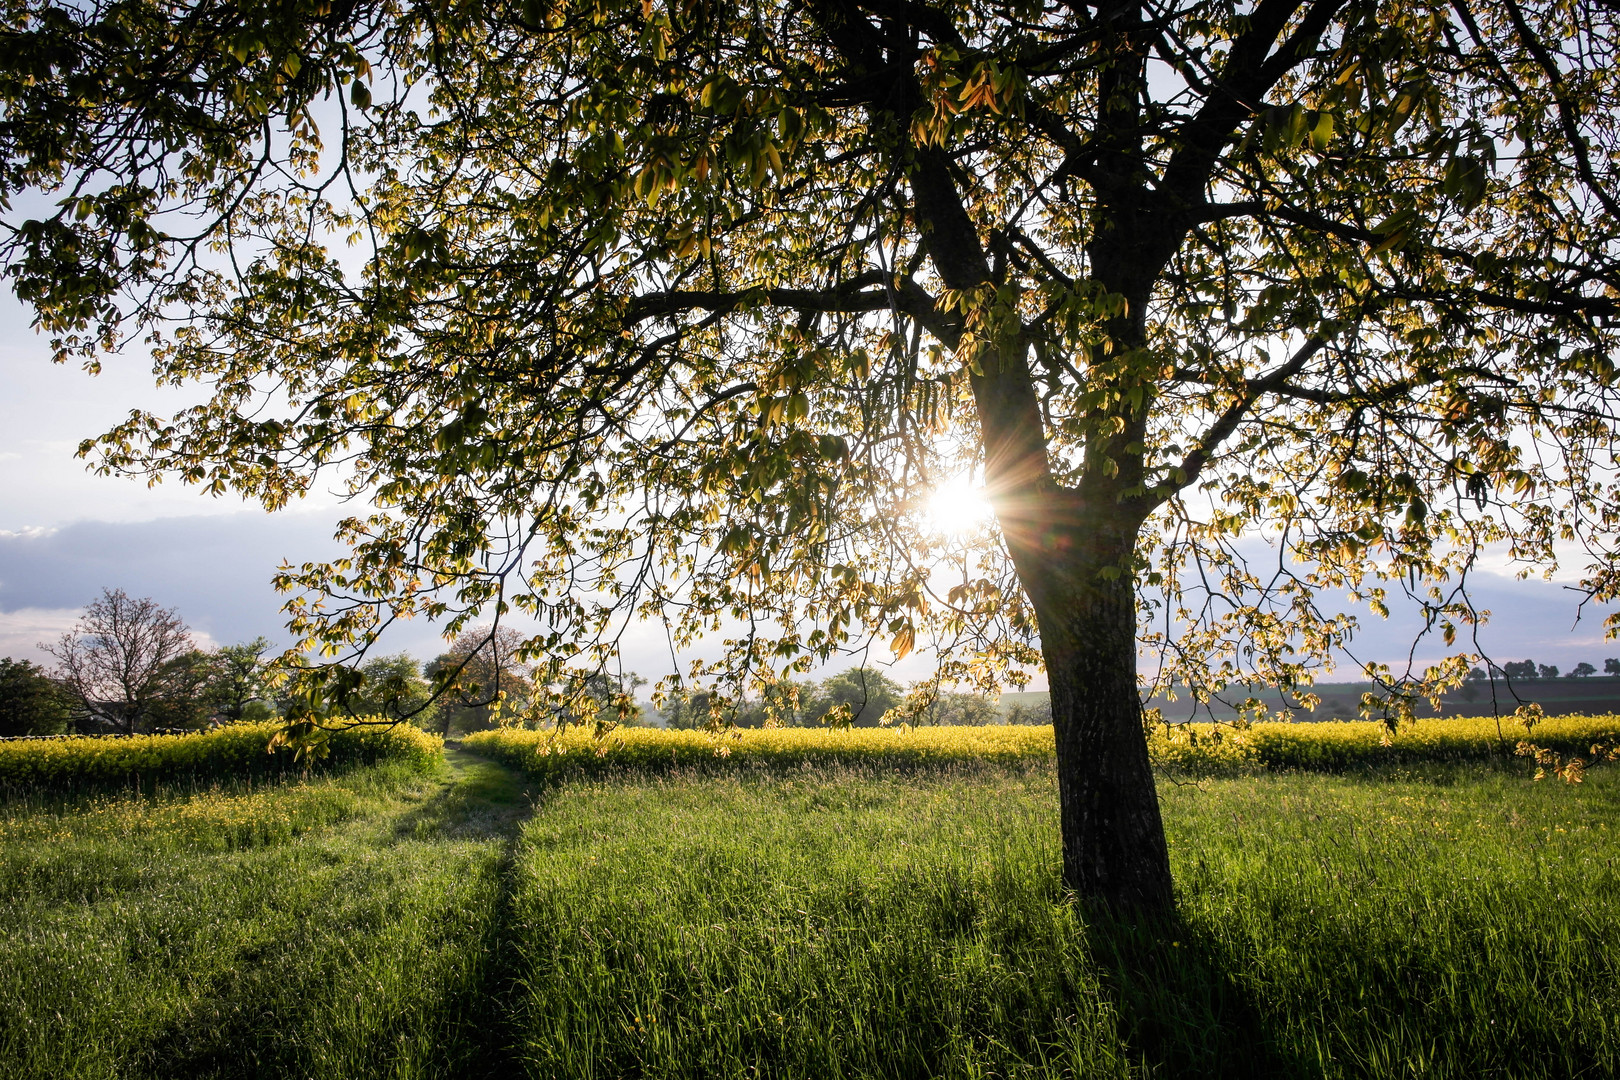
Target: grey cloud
x=215, y=569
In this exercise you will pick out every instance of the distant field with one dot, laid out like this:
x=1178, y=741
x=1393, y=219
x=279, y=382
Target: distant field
x=1434, y=920
x=1341, y=701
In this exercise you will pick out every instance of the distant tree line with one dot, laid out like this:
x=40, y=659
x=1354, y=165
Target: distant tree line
x=858, y=697
x=128, y=666
x=132, y=666
x=1529, y=669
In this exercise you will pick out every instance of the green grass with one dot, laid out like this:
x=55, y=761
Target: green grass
x=1438, y=921
x=337, y=928
x=1437, y=924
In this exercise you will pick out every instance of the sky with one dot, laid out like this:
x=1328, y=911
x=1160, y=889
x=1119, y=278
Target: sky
x=65, y=534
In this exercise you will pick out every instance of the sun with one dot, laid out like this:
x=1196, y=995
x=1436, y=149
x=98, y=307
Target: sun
x=958, y=507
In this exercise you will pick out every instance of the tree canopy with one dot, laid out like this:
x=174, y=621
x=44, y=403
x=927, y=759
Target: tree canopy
x=31, y=702
x=132, y=665
x=681, y=310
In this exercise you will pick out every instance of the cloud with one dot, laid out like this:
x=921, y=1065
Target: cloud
x=215, y=570
x=22, y=632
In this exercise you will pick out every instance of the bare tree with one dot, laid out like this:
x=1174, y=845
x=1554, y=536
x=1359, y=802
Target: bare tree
x=121, y=660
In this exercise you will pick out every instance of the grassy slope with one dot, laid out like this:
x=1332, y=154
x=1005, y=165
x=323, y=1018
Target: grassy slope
x=819, y=924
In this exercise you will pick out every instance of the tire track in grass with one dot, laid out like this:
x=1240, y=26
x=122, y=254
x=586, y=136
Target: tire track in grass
x=497, y=800
x=365, y=947
x=455, y=1028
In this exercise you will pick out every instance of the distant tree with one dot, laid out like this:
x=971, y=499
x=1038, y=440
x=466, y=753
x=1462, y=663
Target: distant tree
x=1583, y=670
x=31, y=702
x=392, y=688
x=860, y=695
x=1611, y=666
x=1476, y=674
x=1547, y=671
x=949, y=709
x=687, y=710
x=609, y=698
x=239, y=689
x=1519, y=669
x=1040, y=712
x=784, y=702
x=481, y=677
x=780, y=701
x=122, y=661
x=187, y=701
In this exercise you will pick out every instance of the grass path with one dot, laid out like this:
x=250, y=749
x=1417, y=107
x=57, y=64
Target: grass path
x=345, y=927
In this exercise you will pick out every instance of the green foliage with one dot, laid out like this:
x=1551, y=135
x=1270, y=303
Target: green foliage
x=239, y=751
x=962, y=710
x=392, y=687
x=186, y=700
x=31, y=702
x=240, y=687
x=608, y=699
x=859, y=697
x=1038, y=712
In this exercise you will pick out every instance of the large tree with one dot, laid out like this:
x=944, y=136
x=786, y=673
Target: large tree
x=638, y=308
x=131, y=664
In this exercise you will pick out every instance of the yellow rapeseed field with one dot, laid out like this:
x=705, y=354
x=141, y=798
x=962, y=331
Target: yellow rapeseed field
x=233, y=752
x=1330, y=745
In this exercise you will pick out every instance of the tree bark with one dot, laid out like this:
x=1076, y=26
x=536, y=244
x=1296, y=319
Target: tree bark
x=1114, y=851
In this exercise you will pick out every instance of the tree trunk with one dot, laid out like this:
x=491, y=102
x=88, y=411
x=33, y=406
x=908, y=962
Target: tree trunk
x=1073, y=550
x=1114, y=851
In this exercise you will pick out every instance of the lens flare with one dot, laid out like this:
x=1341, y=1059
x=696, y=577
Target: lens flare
x=958, y=507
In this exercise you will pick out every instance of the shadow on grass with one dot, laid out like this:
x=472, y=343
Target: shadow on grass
x=488, y=1032
x=482, y=799
x=265, y=1015
x=1180, y=1013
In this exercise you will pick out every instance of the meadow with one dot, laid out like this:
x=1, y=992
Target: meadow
x=823, y=918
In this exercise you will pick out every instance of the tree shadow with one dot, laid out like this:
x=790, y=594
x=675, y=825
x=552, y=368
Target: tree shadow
x=1181, y=1012
x=250, y=1019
